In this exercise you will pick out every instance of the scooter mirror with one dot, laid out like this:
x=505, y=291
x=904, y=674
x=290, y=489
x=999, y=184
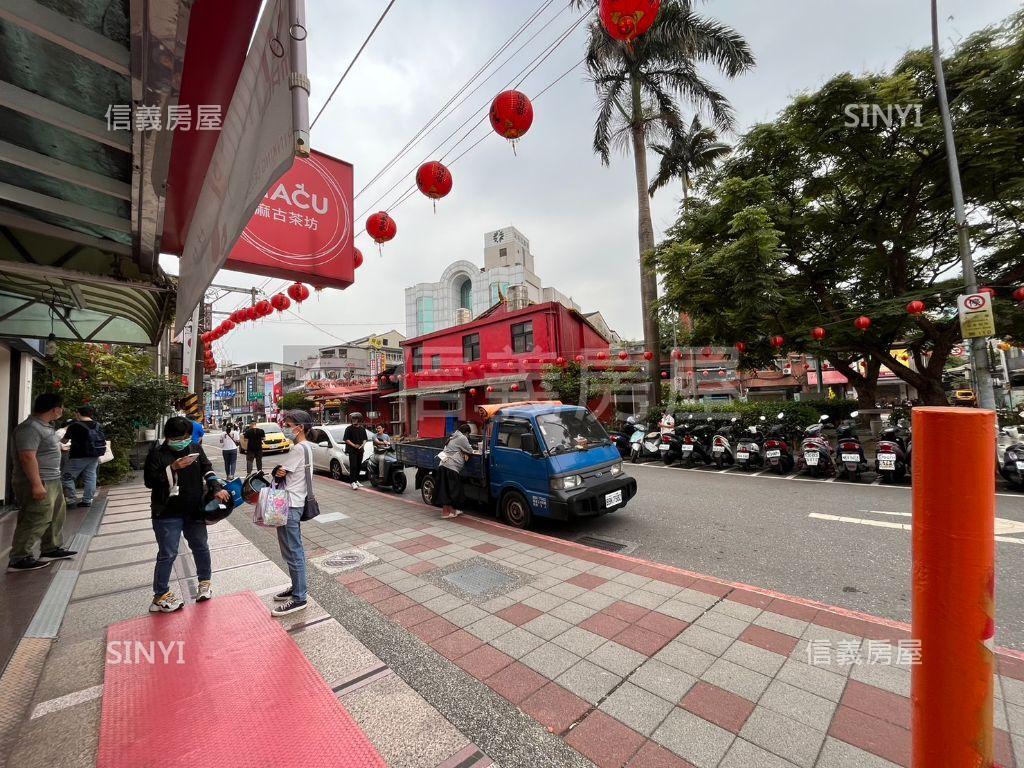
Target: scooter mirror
x=854, y=414
x=824, y=418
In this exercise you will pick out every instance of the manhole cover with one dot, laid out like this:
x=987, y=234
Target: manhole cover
x=606, y=544
x=342, y=561
x=345, y=560
x=477, y=579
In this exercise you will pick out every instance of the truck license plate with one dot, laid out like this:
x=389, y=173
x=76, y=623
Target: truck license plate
x=811, y=459
x=664, y=447
x=687, y=448
x=613, y=498
x=718, y=449
x=853, y=458
x=742, y=455
x=887, y=461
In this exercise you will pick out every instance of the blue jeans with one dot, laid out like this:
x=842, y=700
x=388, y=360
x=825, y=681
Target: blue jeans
x=168, y=534
x=230, y=460
x=84, y=468
x=289, y=538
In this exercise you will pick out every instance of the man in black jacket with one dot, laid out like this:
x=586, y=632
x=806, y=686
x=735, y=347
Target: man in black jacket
x=88, y=443
x=179, y=475
x=253, y=437
x=354, y=437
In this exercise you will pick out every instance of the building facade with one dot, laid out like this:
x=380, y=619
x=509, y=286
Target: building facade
x=362, y=358
x=465, y=290
x=255, y=387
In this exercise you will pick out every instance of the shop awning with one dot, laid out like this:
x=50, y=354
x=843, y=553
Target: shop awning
x=497, y=381
x=828, y=378
x=426, y=391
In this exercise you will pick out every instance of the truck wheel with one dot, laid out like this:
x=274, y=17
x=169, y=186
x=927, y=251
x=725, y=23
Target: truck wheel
x=428, y=490
x=336, y=469
x=399, y=482
x=516, y=510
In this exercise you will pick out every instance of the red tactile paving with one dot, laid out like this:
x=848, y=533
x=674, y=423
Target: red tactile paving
x=628, y=612
x=769, y=639
x=455, y=644
x=555, y=708
x=159, y=715
x=872, y=735
x=518, y=614
x=878, y=703
x=516, y=682
x=662, y=624
x=586, y=580
x=641, y=640
x=604, y=625
x=652, y=755
x=604, y=740
x=484, y=661
x=723, y=708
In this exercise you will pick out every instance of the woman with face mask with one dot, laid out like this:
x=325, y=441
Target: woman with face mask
x=179, y=475
x=294, y=470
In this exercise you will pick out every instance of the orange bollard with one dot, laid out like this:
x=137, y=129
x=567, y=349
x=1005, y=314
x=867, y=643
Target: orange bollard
x=953, y=581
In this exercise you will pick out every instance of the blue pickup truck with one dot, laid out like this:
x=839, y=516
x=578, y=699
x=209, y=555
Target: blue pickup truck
x=534, y=459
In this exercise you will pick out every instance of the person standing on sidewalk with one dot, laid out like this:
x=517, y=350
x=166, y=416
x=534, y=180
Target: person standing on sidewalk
x=179, y=475
x=253, y=437
x=38, y=489
x=88, y=443
x=229, y=449
x=449, y=475
x=289, y=536
x=355, y=437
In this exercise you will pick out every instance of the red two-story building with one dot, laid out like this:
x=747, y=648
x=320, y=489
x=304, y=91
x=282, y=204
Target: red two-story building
x=497, y=358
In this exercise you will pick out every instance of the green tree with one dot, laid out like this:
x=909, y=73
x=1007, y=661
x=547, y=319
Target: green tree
x=690, y=152
x=295, y=401
x=640, y=85
x=861, y=216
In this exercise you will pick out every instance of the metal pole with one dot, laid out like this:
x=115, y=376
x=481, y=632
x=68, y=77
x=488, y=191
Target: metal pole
x=979, y=356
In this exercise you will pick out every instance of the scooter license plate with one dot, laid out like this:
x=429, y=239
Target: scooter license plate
x=613, y=498
x=774, y=453
x=687, y=448
x=718, y=449
x=811, y=459
x=664, y=447
x=742, y=455
x=853, y=458
x=1020, y=466
x=887, y=461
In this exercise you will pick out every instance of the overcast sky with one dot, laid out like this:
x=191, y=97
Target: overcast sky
x=579, y=216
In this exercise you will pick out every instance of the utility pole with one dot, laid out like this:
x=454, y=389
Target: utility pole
x=979, y=352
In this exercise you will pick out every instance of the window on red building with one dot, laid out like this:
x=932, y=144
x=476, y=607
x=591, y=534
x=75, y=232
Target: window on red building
x=471, y=347
x=522, y=337
x=417, y=359
x=435, y=362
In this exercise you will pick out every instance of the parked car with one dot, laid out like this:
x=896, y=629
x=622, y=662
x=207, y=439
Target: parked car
x=329, y=455
x=274, y=440
x=965, y=397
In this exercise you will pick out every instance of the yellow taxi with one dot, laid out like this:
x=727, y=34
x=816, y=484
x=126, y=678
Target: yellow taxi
x=965, y=397
x=274, y=440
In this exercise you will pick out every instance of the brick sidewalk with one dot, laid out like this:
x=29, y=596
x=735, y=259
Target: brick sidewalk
x=639, y=664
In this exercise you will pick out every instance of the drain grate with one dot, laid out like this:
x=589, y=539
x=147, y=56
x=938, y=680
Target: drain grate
x=345, y=560
x=342, y=561
x=606, y=544
x=478, y=579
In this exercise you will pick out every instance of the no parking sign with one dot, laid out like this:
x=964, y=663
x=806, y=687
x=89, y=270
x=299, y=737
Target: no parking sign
x=976, y=319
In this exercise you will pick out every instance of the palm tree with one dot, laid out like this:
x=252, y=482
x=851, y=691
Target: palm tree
x=690, y=151
x=639, y=84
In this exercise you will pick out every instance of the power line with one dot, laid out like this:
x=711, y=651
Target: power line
x=351, y=63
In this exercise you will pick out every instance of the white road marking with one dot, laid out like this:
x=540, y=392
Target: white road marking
x=885, y=512
x=70, y=700
x=1002, y=527
x=859, y=521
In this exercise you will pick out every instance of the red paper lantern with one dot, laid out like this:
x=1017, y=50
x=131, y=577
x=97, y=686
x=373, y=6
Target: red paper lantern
x=205, y=338
x=1018, y=295
x=357, y=258
x=664, y=374
x=579, y=358
x=280, y=302
x=915, y=307
x=514, y=387
x=511, y=365
x=602, y=355
x=227, y=325
x=251, y=313
x=721, y=373
x=511, y=114
x=623, y=355
x=472, y=392
x=434, y=180
x=560, y=362
x=862, y=323
x=490, y=389
x=298, y=292
x=264, y=308
x=648, y=355
x=381, y=227
x=677, y=354
x=626, y=20
x=741, y=347
x=990, y=291
x=818, y=333
x=777, y=341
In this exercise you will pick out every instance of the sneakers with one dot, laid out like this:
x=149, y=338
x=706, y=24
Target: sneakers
x=283, y=597
x=25, y=564
x=57, y=554
x=167, y=603
x=452, y=516
x=290, y=607
x=356, y=486
x=205, y=591
x=84, y=504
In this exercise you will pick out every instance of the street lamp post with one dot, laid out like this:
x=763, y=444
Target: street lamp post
x=979, y=354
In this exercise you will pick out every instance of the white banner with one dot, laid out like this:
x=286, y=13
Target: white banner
x=256, y=147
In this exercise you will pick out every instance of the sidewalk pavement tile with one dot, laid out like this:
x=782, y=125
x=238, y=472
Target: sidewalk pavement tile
x=743, y=754
x=817, y=680
x=410, y=617
x=586, y=581
x=484, y=661
x=433, y=629
x=716, y=705
x=661, y=588
x=705, y=639
x=544, y=601
x=769, y=639
x=616, y=658
x=677, y=609
x=641, y=640
x=579, y=641
x=877, y=702
x=755, y=658
x=740, y=680
x=653, y=755
x=546, y=626
x=615, y=589
x=891, y=678
x=839, y=754
x=663, y=680
x=466, y=615
x=721, y=623
x=489, y=628
x=604, y=625
x=639, y=709
x=827, y=634
x=626, y=611
x=604, y=740
x=565, y=591
x=72, y=667
x=555, y=708
x=550, y=660
x=588, y=681
x=595, y=600
x=663, y=624
x=692, y=738
x=645, y=599
x=378, y=594
x=783, y=736
x=1015, y=719
x=496, y=604
x=572, y=612
x=685, y=658
x=334, y=653
x=518, y=614
x=1013, y=691
x=631, y=579
x=517, y=643
x=803, y=706
x=455, y=644
x=516, y=682
x=444, y=604
x=872, y=735
x=394, y=604
x=696, y=597
x=425, y=593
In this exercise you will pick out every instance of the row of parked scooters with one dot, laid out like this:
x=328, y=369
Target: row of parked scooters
x=781, y=446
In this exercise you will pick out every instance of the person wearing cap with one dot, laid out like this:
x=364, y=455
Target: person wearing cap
x=289, y=536
x=180, y=475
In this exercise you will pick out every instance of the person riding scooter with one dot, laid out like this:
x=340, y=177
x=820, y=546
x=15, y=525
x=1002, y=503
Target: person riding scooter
x=383, y=468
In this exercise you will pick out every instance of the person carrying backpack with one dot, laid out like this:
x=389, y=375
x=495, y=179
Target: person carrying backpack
x=88, y=443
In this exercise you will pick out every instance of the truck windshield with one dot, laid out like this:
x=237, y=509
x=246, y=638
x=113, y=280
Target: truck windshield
x=575, y=430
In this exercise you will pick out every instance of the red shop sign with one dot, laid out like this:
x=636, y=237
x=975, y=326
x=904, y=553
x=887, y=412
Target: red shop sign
x=302, y=229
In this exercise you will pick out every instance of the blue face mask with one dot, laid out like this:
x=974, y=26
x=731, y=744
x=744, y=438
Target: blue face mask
x=180, y=445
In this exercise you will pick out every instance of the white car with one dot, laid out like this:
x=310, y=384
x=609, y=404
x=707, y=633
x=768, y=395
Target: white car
x=329, y=454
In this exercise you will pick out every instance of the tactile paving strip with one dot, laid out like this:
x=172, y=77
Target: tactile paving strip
x=237, y=693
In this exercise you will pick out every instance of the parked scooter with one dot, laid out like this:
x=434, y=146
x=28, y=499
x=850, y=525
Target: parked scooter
x=850, y=453
x=1012, y=466
x=892, y=456
x=815, y=451
x=696, y=443
x=671, y=446
x=644, y=444
x=749, y=447
x=721, y=444
x=620, y=439
x=392, y=477
x=777, y=451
